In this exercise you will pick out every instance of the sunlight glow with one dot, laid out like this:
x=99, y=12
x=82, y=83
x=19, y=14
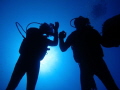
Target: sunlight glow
x=49, y=62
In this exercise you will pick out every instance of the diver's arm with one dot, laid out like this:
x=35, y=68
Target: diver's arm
x=55, y=39
x=63, y=45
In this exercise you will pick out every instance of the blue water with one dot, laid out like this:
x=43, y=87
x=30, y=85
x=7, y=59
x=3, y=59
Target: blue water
x=58, y=70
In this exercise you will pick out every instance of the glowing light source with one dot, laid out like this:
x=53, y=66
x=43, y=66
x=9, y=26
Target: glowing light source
x=49, y=61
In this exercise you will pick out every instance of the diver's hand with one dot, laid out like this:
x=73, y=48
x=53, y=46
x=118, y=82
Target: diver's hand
x=62, y=35
x=56, y=26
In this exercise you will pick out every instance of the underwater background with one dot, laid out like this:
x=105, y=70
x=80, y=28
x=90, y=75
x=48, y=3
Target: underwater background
x=58, y=70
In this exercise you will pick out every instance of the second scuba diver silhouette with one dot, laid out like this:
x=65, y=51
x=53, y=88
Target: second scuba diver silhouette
x=32, y=50
x=85, y=43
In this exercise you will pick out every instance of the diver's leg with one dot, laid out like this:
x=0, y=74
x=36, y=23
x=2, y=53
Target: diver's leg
x=86, y=78
x=16, y=77
x=104, y=74
x=86, y=82
x=32, y=76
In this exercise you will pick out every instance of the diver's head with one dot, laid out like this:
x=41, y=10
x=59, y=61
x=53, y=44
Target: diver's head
x=81, y=22
x=46, y=29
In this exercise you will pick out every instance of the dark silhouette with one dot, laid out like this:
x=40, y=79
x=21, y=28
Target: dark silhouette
x=85, y=43
x=111, y=32
x=32, y=50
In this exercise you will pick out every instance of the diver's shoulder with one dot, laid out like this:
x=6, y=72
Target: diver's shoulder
x=73, y=33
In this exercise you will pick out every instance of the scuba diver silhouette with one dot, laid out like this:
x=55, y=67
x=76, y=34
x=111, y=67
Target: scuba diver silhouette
x=32, y=50
x=85, y=43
